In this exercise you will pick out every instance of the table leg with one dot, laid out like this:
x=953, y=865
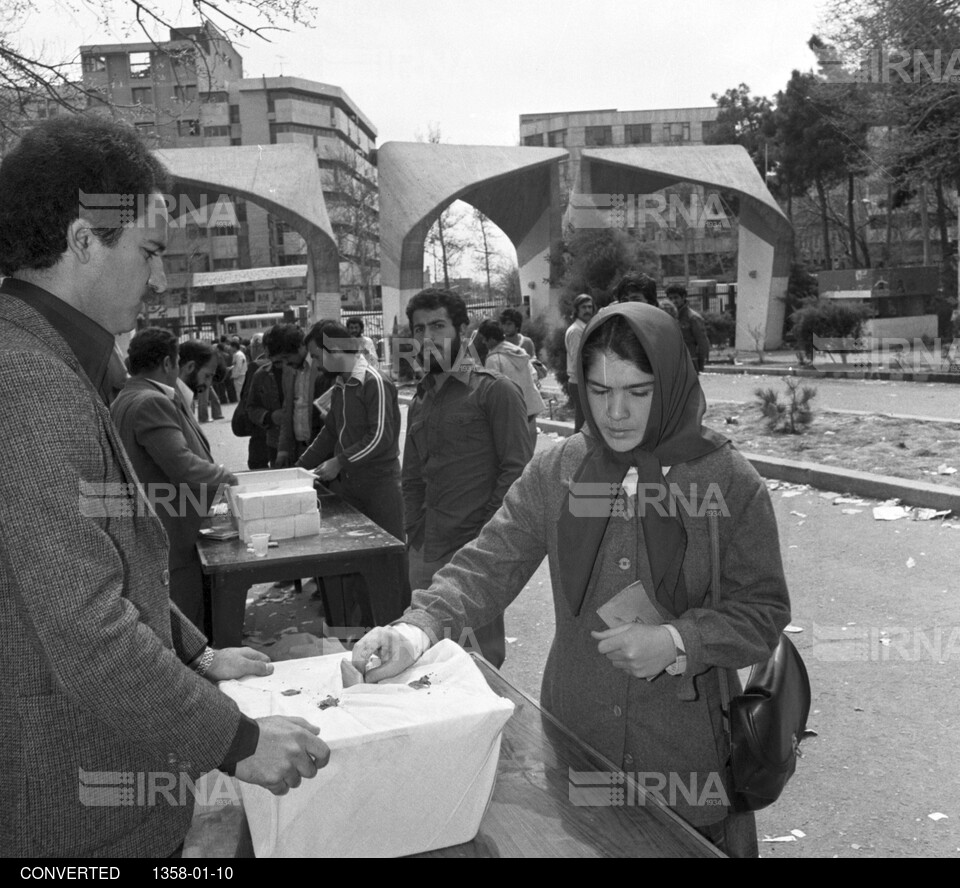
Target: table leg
x=228, y=602
x=387, y=587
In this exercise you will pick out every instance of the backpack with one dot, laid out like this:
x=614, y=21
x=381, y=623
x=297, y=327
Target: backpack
x=240, y=423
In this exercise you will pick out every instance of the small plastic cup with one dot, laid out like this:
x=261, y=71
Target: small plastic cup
x=260, y=543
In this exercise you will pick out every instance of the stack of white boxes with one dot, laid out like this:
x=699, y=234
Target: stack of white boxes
x=282, y=503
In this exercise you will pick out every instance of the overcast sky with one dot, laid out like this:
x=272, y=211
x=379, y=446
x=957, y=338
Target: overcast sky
x=472, y=67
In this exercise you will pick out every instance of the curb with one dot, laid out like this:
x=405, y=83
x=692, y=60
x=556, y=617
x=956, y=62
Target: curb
x=819, y=373
x=850, y=481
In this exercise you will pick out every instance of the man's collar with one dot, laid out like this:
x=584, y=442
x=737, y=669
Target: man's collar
x=92, y=346
x=169, y=391
x=186, y=393
x=357, y=374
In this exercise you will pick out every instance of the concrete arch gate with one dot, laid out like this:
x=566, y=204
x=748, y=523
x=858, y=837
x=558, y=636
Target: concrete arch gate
x=518, y=189
x=765, y=234
x=285, y=181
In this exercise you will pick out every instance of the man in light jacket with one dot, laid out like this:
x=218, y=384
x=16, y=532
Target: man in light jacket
x=514, y=363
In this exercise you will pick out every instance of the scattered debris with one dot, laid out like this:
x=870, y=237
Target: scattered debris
x=789, y=493
x=793, y=629
x=946, y=470
x=420, y=683
x=911, y=562
x=936, y=815
x=510, y=640
x=328, y=702
x=799, y=833
x=851, y=511
x=850, y=500
x=889, y=513
x=290, y=692
x=929, y=514
x=779, y=839
x=799, y=514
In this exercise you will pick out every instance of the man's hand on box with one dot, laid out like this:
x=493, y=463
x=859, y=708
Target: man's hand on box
x=238, y=662
x=288, y=750
x=283, y=460
x=328, y=470
x=382, y=653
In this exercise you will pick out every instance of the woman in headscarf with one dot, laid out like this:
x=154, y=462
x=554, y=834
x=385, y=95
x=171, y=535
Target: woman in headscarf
x=630, y=670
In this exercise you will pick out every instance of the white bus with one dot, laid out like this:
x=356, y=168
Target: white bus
x=246, y=326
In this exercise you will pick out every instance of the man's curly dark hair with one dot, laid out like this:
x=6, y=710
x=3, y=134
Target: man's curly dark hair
x=149, y=347
x=436, y=297
x=42, y=177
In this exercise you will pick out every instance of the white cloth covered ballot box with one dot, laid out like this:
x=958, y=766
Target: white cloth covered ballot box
x=411, y=768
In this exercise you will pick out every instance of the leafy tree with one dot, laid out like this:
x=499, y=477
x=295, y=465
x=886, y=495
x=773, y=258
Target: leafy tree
x=821, y=141
x=745, y=120
x=594, y=259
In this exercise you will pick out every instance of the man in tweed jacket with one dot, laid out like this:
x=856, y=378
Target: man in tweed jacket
x=98, y=708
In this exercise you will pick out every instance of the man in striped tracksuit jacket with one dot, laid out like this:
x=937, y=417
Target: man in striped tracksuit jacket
x=359, y=442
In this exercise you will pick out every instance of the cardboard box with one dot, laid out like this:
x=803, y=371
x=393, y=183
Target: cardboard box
x=411, y=769
x=268, y=502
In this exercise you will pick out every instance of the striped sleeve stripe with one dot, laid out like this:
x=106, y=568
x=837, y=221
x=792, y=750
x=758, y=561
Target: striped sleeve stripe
x=381, y=417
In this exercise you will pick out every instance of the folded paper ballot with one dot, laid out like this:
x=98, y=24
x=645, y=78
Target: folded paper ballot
x=413, y=759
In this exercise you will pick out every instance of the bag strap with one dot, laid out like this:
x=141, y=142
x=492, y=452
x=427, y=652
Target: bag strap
x=714, y=526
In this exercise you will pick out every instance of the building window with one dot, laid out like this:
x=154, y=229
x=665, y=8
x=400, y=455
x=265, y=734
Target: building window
x=707, y=129
x=148, y=133
x=676, y=132
x=598, y=136
x=270, y=105
x=186, y=93
x=214, y=132
x=94, y=63
x=557, y=138
x=185, y=59
x=96, y=97
x=224, y=263
x=234, y=114
x=234, y=142
x=142, y=95
x=212, y=97
x=188, y=127
x=139, y=65
x=637, y=134
x=534, y=141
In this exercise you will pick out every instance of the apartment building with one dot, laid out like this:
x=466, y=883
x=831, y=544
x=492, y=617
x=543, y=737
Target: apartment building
x=190, y=92
x=686, y=252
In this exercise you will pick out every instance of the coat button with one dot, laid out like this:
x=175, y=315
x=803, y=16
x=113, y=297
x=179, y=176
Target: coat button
x=624, y=564
x=165, y=578
x=617, y=711
x=628, y=760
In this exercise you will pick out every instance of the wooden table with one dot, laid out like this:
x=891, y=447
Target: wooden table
x=348, y=543
x=531, y=813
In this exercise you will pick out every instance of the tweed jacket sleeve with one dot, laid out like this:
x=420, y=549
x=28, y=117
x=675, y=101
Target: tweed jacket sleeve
x=84, y=573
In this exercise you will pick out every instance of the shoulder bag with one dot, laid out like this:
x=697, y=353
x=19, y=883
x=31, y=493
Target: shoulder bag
x=766, y=723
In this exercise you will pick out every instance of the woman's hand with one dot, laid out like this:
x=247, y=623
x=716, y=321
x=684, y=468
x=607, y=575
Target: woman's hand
x=642, y=651
x=382, y=653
